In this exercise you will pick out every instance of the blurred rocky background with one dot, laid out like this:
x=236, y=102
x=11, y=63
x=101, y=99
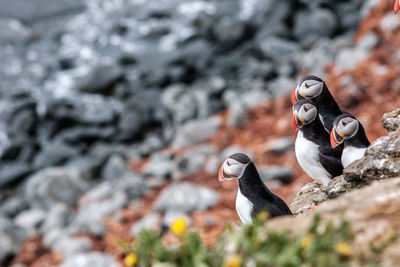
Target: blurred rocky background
x=115, y=114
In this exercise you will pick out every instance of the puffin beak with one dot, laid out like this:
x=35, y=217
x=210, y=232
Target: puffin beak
x=220, y=174
x=396, y=6
x=294, y=96
x=296, y=122
x=334, y=138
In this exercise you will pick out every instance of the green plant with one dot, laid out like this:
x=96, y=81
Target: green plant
x=323, y=244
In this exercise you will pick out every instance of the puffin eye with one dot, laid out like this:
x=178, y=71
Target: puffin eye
x=344, y=123
x=306, y=84
x=305, y=109
x=228, y=163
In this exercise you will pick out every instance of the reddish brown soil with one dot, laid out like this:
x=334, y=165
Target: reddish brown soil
x=376, y=94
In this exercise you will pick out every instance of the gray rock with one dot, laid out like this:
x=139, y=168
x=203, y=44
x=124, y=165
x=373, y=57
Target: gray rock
x=13, y=31
x=314, y=22
x=279, y=146
x=81, y=134
x=57, y=218
x=90, y=259
x=281, y=86
x=196, y=131
x=30, y=219
x=100, y=79
x=185, y=197
x=149, y=222
x=237, y=110
x=55, y=185
x=391, y=120
x=191, y=161
x=357, y=54
x=28, y=11
x=283, y=174
x=389, y=22
x=311, y=194
x=151, y=144
x=114, y=168
x=51, y=237
x=12, y=206
x=160, y=165
x=278, y=49
x=11, y=239
x=87, y=109
x=254, y=97
x=338, y=186
x=212, y=165
x=90, y=217
x=12, y=172
x=104, y=200
x=372, y=167
x=179, y=101
x=53, y=154
x=229, y=31
x=69, y=246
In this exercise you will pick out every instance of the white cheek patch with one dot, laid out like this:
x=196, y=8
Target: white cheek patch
x=235, y=168
x=311, y=88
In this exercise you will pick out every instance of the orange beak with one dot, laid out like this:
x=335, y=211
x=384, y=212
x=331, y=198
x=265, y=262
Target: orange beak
x=294, y=124
x=294, y=97
x=220, y=174
x=396, y=6
x=334, y=142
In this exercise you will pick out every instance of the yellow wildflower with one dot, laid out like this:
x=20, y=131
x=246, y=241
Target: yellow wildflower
x=130, y=260
x=178, y=226
x=232, y=261
x=306, y=241
x=343, y=248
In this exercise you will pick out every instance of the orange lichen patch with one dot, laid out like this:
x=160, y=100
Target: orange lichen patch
x=377, y=79
x=138, y=165
x=371, y=22
x=33, y=253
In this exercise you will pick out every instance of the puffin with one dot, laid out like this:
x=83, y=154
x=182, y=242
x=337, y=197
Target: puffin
x=253, y=195
x=314, y=88
x=312, y=147
x=396, y=6
x=348, y=130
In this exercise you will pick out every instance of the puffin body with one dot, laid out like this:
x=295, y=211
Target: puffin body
x=348, y=130
x=313, y=88
x=313, y=151
x=253, y=195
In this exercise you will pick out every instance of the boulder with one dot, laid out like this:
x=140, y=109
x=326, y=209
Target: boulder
x=90, y=259
x=11, y=239
x=55, y=185
x=185, y=197
x=391, y=120
x=195, y=131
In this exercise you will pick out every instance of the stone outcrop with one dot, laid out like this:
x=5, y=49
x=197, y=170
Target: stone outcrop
x=381, y=161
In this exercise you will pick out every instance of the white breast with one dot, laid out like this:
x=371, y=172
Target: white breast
x=307, y=156
x=351, y=154
x=244, y=207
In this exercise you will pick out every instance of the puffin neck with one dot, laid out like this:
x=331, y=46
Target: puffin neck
x=251, y=185
x=359, y=140
x=326, y=103
x=315, y=131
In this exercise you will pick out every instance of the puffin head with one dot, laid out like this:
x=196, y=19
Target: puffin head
x=233, y=167
x=396, y=6
x=310, y=86
x=345, y=127
x=304, y=112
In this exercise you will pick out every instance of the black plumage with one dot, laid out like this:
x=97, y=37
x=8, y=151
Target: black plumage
x=253, y=188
